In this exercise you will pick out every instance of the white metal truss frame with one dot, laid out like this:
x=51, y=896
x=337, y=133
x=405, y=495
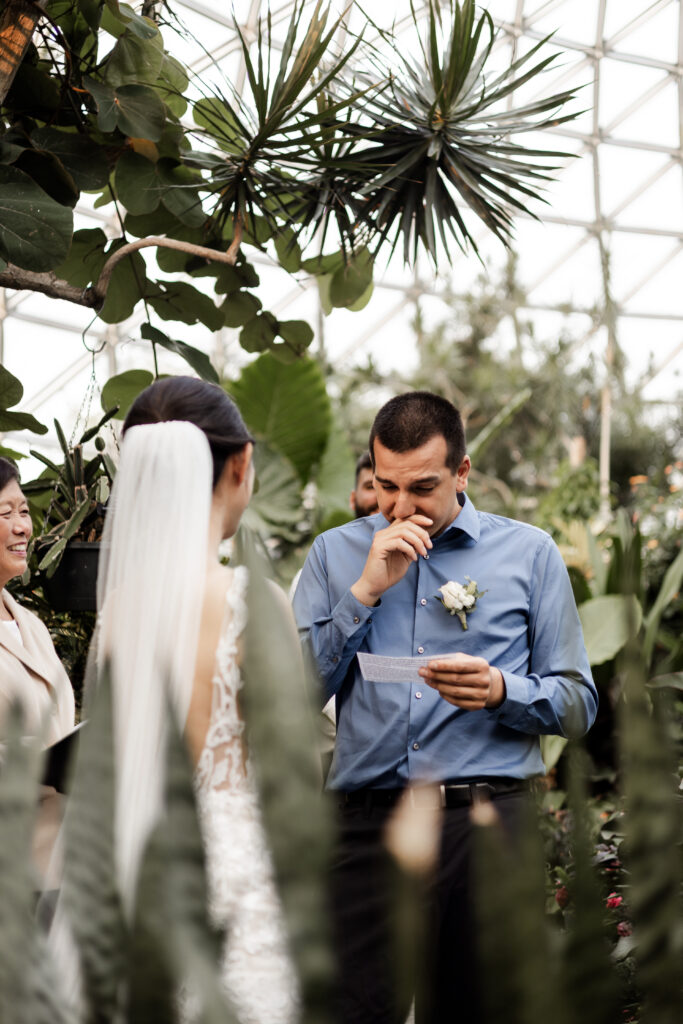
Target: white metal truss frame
x=606, y=224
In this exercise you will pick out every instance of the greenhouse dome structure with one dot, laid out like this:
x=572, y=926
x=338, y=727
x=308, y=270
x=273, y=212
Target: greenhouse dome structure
x=600, y=261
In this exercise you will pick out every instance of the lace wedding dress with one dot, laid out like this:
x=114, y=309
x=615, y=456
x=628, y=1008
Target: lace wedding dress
x=257, y=972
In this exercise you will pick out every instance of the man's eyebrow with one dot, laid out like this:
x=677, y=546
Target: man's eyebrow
x=434, y=479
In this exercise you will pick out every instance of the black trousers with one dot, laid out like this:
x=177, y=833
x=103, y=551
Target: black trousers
x=363, y=894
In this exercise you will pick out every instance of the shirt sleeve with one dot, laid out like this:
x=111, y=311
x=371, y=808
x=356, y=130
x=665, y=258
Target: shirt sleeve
x=331, y=635
x=557, y=695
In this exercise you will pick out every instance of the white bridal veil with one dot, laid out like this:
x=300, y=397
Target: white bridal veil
x=149, y=596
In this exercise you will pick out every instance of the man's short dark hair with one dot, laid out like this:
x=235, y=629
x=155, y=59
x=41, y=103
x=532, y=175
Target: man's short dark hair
x=364, y=462
x=409, y=421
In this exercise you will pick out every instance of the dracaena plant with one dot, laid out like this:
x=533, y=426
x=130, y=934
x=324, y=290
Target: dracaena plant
x=73, y=495
x=443, y=135
x=379, y=143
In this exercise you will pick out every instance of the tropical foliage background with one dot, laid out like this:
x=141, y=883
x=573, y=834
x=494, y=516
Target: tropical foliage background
x=330, y=158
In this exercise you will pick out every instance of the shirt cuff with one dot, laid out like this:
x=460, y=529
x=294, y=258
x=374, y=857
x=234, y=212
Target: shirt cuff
x=514, y=704
x=350, y=614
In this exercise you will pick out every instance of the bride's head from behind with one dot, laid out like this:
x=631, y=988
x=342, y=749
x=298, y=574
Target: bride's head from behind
x=209, y=408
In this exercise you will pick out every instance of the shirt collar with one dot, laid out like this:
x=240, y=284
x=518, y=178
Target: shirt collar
x=466, y=521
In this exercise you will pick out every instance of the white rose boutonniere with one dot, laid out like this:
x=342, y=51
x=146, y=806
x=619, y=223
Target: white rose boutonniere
x=460, y=599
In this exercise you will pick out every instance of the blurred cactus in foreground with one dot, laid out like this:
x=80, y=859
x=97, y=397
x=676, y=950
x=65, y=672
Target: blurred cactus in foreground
x=536, y=971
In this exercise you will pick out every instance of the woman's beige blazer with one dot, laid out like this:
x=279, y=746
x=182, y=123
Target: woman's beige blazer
x=34, y=675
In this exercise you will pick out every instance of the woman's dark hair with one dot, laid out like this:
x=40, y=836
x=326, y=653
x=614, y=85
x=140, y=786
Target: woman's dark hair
x=196, y=401
x=409, y=421
x=8, y=473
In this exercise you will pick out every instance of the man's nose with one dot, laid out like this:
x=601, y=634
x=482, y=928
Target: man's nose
x=404, y=506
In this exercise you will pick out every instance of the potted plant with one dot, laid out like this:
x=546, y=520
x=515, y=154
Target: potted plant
x=73, y=496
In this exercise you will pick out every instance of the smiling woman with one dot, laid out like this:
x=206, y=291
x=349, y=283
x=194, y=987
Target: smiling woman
x=31, y=674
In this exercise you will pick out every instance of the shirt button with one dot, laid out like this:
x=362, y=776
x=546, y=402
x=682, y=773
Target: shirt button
x=420, y=650
x=416, y=746
x=356, y=619
x=335, y=659
x=427, y=557
x=418, y=694
x=423, y=601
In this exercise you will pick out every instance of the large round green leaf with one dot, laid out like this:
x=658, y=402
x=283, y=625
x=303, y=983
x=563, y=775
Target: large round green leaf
x=335, y=476
x=286, y=406
x=199, y=361
x=217, y=118
x=141, y=113
x=608, y=623
x=276, y=506
x=297, y=333
x=11, y=389
x=137, y=183
x=259, y=333
x=239, y=308
x=180, y=301
x=50, y=174
x=123, y=389
x=135, y=109
x=351, y=281
x=86, y=257
x=36, y=231
x=127, y=286
x=134, y=60
x=84, y=160
x=180, y=192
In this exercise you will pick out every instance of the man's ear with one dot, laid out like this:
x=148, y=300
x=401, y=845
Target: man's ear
x=463, y=472
x=352, y=501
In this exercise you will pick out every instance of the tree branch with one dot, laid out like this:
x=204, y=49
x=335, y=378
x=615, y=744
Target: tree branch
x=49, y=284
x=100, y=288
x=17, y=24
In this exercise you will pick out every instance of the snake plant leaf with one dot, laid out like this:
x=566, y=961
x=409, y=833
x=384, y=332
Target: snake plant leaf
x=286, y=406
x=278, y=720
x=608, y=623
x=671, y=585
x=90, y=890
x=18, y=783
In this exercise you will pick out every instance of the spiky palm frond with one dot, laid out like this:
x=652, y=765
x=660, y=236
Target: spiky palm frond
x=445, y=136
x=348, y=140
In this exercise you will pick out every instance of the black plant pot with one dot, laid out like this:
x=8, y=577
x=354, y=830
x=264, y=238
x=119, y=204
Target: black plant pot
x=73, y=588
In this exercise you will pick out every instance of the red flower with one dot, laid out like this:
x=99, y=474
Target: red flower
x=562, y=896
x=624, y=928
x=614, y=901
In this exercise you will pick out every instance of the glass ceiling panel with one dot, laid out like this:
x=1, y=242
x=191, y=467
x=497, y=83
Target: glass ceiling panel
x=625, y=179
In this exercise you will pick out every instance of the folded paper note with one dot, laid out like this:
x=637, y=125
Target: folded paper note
x=377, y=668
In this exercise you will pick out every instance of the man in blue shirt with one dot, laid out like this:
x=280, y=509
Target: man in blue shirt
x=471, y=724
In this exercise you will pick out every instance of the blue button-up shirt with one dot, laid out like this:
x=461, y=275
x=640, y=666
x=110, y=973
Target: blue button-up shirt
x=526, y=624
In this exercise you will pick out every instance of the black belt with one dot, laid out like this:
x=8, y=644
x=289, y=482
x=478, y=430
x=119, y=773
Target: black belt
x=446, y=794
